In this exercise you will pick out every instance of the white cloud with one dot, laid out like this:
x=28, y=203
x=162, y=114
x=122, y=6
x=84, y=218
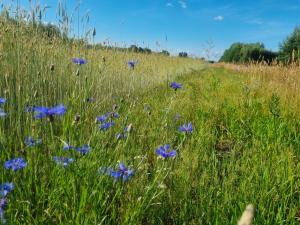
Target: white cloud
x=182, y=4
x=169, y=4
x=219, y=18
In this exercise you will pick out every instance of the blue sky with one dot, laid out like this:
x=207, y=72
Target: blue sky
x=184, y=25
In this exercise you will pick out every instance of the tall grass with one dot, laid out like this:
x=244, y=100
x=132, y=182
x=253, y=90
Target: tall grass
x=244, y=148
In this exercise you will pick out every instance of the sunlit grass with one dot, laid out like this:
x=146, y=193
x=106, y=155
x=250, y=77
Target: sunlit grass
x=244, y=147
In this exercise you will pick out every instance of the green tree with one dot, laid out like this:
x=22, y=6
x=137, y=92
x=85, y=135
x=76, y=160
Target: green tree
x=183, y=54
x=245, y=53
x=290, y=47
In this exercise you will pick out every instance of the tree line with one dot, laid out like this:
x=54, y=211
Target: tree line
x=289, y=51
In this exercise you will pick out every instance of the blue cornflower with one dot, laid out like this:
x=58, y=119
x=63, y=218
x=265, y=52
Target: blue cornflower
x=131, y=64
x=2, y=101
x=15, y=164
x=175, y=86
x=186, y=128
x=115, y=115
x=63, y=161
x=101, y=119
x=164, y=151
x=123, y=135
x=30, y=142
x=3, y=204
x=123, y=172
x=79, y=61
x=68, y=147
x=84, y=149
x=5, y=188
x=42, y=111
x=106, y=126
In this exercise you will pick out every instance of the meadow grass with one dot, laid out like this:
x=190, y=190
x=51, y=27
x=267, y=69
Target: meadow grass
x=244, y=147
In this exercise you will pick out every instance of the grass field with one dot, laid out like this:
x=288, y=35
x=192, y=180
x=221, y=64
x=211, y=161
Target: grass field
x=244, y=146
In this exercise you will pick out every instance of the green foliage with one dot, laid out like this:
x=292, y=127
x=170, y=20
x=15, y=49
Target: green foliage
x=183, y=54
x=245, y=53
x=165, y=52
x=290, y=48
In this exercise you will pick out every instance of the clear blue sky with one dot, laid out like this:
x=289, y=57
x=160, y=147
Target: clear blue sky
x=185, y=25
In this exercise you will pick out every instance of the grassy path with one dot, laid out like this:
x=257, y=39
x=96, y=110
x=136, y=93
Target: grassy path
x=244, y=149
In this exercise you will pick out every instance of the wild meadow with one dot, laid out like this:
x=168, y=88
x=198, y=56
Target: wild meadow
x=101, y=136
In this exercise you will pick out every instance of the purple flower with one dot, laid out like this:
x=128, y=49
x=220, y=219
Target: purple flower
x=5, y=188
x=131, y=64
x=164, y=151
x=15, y=164
x=67, y=147
x=41, y=111
x=115, y=115
x=123, y=135
x=175, y=86
x=79, y=61
x=62, y=161
x=101, y=119
x=106, y=126
x=2, y=101
x=122, y=173
x=186, y=128
x=30, y=142
x=83, y=150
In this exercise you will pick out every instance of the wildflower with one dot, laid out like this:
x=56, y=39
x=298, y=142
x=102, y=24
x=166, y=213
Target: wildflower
x=2, y=101
x=67, y=147
x=164, y=151
x=83, y=150
x=123, y=172
x=15, y=164
x=5, y=188
x=79, y=61
x=186, y=128
x=3, y=204
x=115, y=115
x=175, y=86
x=30, y=142
x=101, y=119
x=63, y=161
x=42, y=111
x=123, y=135
x=106, y=126
x=131, y=64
